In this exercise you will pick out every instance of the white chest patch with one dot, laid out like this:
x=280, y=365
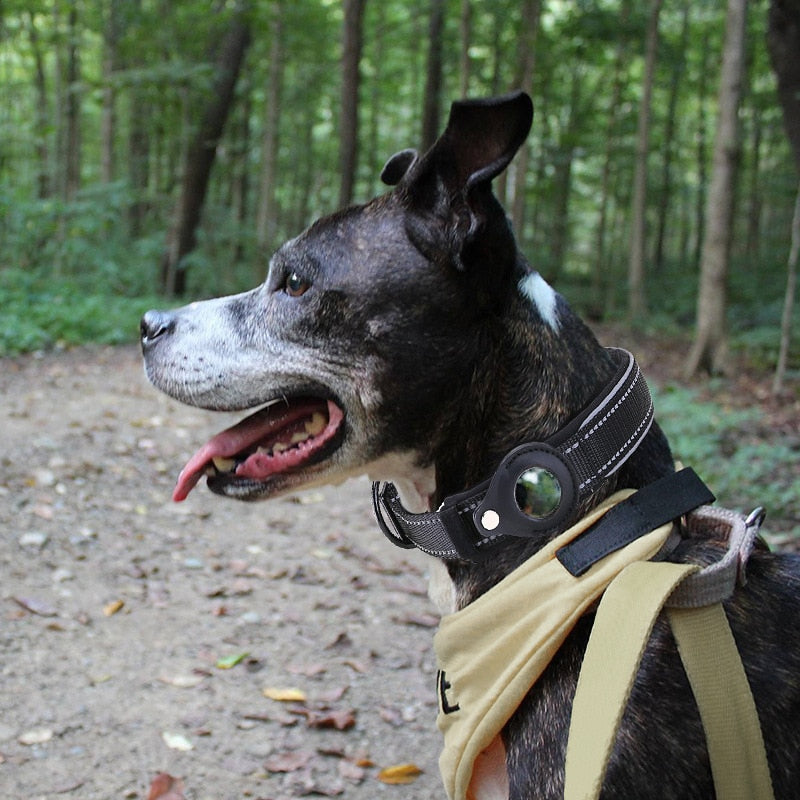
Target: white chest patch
x=542, y=295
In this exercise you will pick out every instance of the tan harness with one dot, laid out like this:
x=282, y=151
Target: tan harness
x=515, y=629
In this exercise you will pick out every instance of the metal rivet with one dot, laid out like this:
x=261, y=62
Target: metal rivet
x=490, y=520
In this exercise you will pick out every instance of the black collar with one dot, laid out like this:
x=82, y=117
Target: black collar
x=538, y=486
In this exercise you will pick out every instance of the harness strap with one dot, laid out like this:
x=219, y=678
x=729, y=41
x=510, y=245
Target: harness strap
x=715, y=671
x=623, y=624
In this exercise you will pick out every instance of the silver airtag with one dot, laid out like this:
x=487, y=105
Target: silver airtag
x=532, y=491
x=537, y=492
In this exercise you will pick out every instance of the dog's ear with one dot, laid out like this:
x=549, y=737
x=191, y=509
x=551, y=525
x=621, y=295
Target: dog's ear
x=397, y=166
x=450, y=186
x=482, y=136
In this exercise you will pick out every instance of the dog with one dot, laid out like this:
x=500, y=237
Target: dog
x=408, y=339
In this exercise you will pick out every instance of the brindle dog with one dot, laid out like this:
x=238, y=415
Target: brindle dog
x=408, y=339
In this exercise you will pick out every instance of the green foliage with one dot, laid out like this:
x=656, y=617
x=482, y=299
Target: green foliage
x=728, y=449
x=42, y=312
x=86, y=239
x=586, y=88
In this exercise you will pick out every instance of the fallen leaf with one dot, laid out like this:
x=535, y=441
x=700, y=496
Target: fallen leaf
x=240, y=587
x=228, y=662
x=183, y=681
x=176, y=741
x=112, y=608
x=35, y=539
x=342, y=640
x=332, y=695
x=43, y=511
x=39, y=607
x=422, y=620
x=332, y=752
x=289, y=761
x=399, y=774
x=391, y=715
x=356, y=665
x=69, y=785
x=313, y=787
x=165, y=787
x=341, y=719
x=36, y=736
x=350, y=771
x=285, y=695
x=309, y=670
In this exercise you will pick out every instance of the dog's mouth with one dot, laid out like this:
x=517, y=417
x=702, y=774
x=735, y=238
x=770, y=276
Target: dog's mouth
x=280, y=439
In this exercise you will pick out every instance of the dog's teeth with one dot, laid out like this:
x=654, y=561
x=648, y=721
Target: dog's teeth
x=300, y=436
x=278, y=447
x=223, y=464
x=316, y=424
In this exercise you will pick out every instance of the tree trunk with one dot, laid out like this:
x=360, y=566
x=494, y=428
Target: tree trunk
x=637, y=304
x=266, y=216
x=433, y=76
x=240, y=171
x=374, y=155
x=709, y=352
x=531, y=13
x=138, y=143
x=200, y=158
x=755, y=197
x=702, y=160
x=678, y=67
x=108, y=117
x=600, y=266
x=783, y=41
x=465, y=27
x=42, y=123
x=138, y=160
x=562, y=181
x=352, y=41
x=788, y=301
x=72, y=144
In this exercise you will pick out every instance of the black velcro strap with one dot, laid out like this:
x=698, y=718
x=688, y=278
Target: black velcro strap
x=652, y=506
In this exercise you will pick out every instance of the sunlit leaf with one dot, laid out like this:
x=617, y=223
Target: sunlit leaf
x=183, y=681
x=399, y=774
x=177, y=741
x=290, y=695
x=112, y=608
x=36, y=736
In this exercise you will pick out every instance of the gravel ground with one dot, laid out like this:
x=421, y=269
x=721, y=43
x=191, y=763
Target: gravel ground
x=139, y=636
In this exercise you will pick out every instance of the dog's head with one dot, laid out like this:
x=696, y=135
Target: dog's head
x=366, y=331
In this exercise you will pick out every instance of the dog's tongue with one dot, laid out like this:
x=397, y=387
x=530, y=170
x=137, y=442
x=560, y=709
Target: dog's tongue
x=263, y=426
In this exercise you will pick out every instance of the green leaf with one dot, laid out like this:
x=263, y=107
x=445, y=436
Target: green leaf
x=227, y=662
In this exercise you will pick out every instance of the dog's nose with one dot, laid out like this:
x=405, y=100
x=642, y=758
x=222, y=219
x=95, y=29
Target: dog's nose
x=156, y=324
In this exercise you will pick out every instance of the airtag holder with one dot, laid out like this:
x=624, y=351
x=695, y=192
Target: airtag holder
x=533, y=491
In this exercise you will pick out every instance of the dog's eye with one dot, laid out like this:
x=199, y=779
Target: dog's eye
x=295, y=285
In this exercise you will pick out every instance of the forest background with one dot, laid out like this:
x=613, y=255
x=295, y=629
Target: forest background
x=156, y=152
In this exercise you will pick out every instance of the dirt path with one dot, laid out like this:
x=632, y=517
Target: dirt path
x=117, y=605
